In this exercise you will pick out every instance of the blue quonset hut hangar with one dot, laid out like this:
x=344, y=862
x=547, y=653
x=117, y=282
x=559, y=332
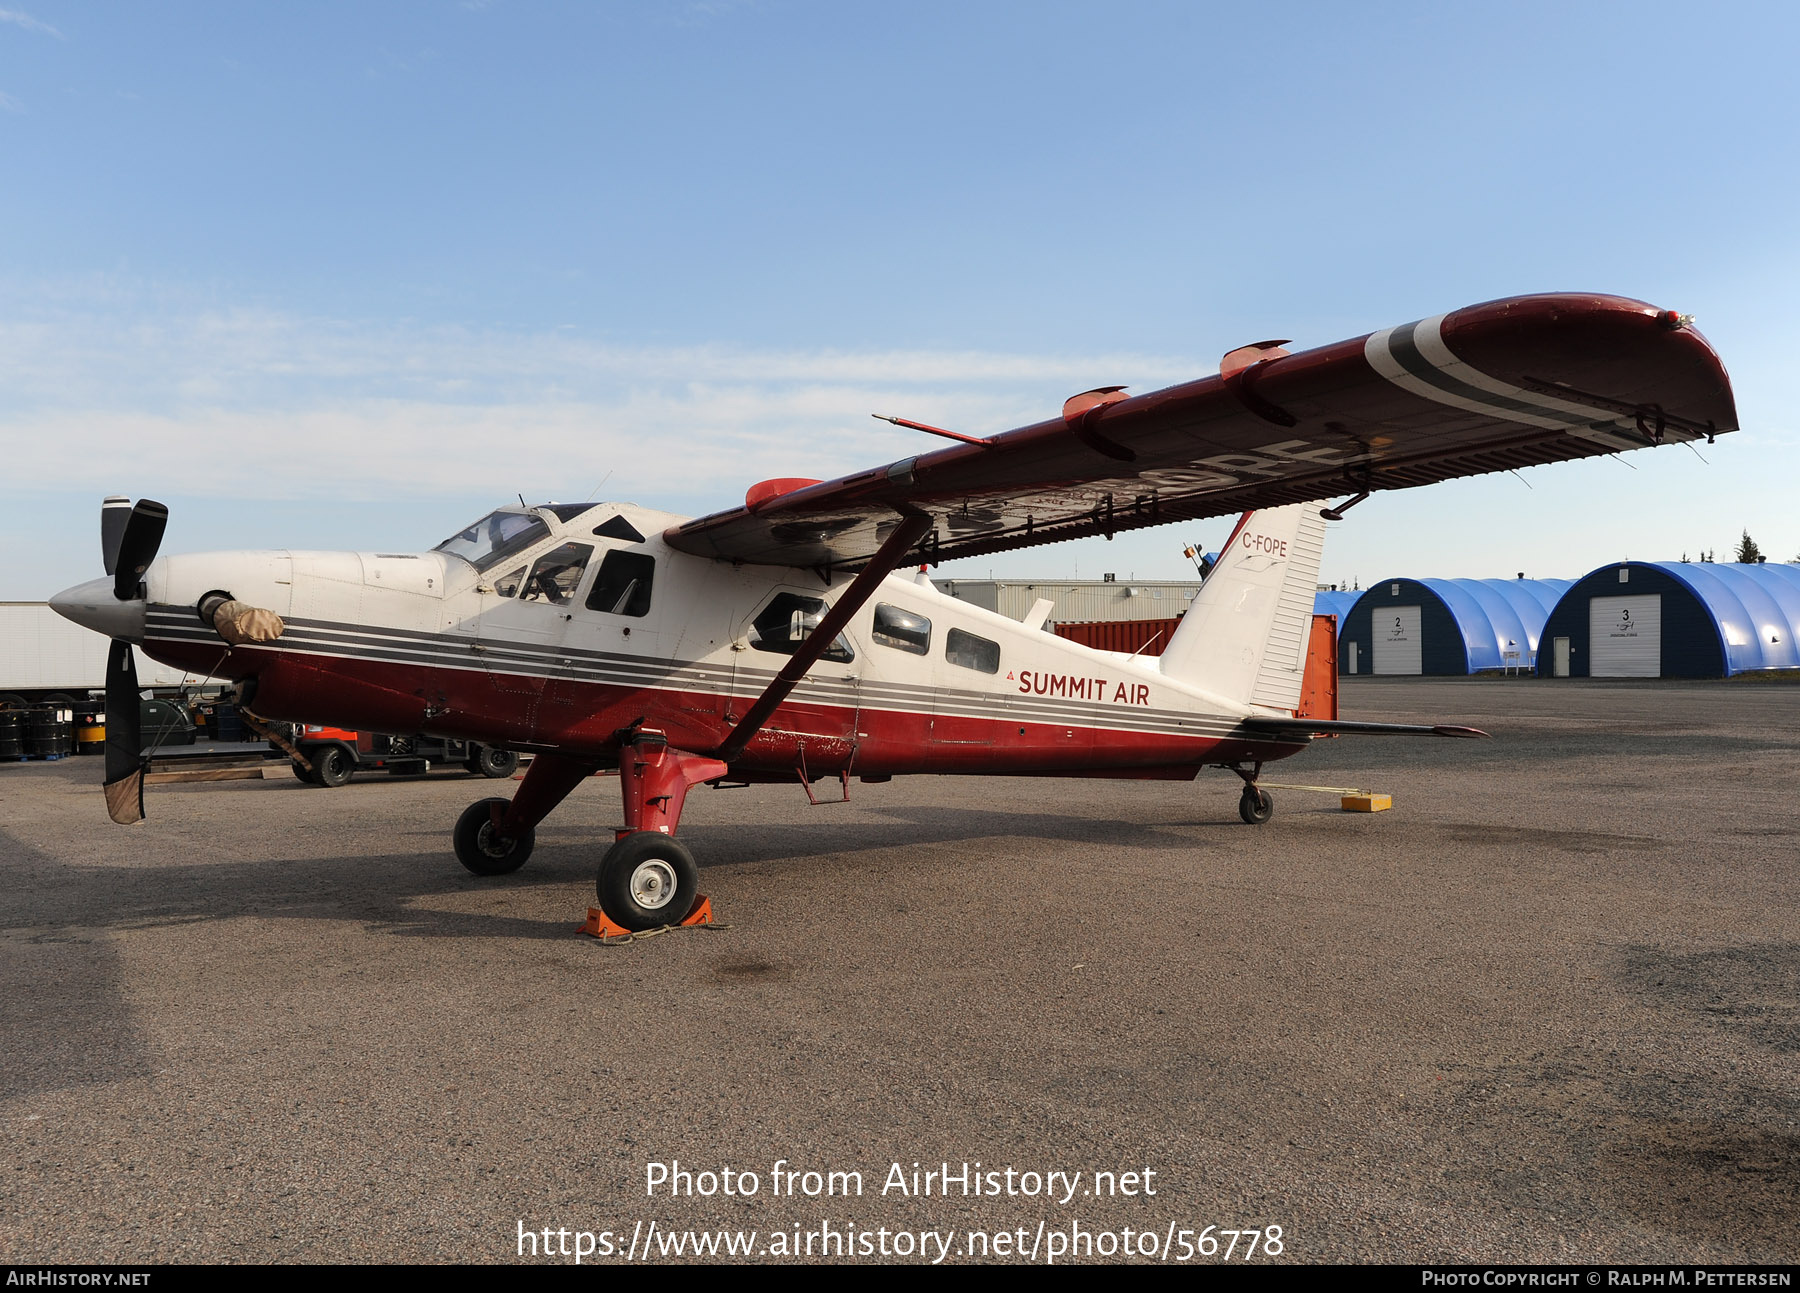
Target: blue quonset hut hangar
x=1329, y=601
x=1446, y=626
x=1675, y=619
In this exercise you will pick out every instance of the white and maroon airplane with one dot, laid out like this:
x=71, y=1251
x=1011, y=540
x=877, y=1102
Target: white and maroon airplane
x=775, y=641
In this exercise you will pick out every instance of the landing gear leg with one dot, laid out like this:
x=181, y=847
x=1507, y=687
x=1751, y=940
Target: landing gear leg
x=495, y=836
x=648, y=878
x=1255, y=805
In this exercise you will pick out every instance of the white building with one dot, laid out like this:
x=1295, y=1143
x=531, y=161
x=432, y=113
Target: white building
x=1078, y=600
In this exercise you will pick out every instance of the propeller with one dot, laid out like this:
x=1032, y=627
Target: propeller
x=124, y=737
x=139, y=538
x=114, y=513
x=129, y=538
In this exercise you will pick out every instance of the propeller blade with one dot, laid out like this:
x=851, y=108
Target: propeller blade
x=114, y=512
x=124, y=737
x=137, y=547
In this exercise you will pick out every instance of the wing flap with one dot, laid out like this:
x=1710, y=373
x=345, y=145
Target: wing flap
x=1493, y=387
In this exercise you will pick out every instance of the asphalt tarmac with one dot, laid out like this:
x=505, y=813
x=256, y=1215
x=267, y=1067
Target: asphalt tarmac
x=1545, y=1009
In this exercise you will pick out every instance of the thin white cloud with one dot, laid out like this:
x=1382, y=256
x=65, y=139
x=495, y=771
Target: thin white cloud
x=295, y=408
x=10, y=104
x=26, y=21
x=240, y=350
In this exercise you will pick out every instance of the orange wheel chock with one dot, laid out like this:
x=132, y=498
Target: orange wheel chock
x=598, y=926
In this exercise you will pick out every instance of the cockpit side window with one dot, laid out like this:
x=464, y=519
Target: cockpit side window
x=788, y=620
x=495, y=537
x=623, y=585
x=508, y=585
x=556, y=573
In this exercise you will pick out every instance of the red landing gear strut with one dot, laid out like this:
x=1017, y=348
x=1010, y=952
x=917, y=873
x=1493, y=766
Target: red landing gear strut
x=648, y=877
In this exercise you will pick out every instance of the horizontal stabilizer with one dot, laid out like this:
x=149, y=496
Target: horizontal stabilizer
x=1335, y=727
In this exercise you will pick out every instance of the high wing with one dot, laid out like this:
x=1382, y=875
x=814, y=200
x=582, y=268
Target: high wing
x=1493, y=387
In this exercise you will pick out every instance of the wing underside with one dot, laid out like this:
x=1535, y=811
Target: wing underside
x=1495, y=387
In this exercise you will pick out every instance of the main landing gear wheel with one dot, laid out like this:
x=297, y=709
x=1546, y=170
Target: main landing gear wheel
x=647, y=880
x=479, y=845
x=489, y=762
x=1256, y=805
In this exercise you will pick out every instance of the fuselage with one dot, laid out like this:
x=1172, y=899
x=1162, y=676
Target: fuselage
x=555, y=630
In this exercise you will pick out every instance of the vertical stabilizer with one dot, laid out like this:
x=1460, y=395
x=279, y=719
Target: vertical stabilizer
x=1245, y=633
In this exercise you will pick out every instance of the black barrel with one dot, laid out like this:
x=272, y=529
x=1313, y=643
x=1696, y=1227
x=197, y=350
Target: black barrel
x=59, y=730
x=12, y=734
x=227, y=725
x=40, y=732
x=50, y=731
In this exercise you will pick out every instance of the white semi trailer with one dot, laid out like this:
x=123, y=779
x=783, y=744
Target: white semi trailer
x=45, y=657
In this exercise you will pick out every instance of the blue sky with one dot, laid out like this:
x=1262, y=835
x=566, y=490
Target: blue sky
x=346, y=275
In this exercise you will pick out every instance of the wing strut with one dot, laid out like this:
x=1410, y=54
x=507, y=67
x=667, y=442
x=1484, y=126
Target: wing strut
x=911, y=529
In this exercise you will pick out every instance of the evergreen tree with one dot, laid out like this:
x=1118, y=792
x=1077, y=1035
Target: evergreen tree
x=1747, y=551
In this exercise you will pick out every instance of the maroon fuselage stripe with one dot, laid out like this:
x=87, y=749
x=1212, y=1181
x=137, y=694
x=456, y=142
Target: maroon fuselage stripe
x=574, y=716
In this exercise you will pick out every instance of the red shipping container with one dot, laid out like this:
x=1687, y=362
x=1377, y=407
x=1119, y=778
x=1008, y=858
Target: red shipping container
x=1318, y=689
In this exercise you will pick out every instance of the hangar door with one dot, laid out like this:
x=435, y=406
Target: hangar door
x=1398, y=644
x=1625, y=636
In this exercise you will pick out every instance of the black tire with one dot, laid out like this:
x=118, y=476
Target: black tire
x=486, y=761
x=648, y=880
x=479, y=847
x=302, y=774
x=1256, y=805
x=332, y=766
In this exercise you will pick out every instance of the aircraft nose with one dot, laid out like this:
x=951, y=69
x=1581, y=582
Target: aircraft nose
x=93, y=606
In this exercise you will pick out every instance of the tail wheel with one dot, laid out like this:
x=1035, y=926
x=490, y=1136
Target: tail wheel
x=480, y=846
x=1256, y=805
x=647, y=880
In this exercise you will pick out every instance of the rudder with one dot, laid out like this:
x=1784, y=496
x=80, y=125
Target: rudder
x=1245, y=634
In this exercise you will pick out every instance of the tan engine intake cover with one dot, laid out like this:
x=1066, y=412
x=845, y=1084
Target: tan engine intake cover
x=240, y=623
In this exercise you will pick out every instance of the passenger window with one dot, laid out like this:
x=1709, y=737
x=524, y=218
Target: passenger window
x=623, y=585
x=971, y=652
x=901, y=629
x=508, y=585
x=788, y=621
x=555, y=575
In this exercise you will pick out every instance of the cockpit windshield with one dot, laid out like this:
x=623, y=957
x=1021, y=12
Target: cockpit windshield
x=495, y=537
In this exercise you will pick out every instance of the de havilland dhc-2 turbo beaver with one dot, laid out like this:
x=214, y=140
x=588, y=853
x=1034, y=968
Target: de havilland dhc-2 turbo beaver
x=787, y=639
